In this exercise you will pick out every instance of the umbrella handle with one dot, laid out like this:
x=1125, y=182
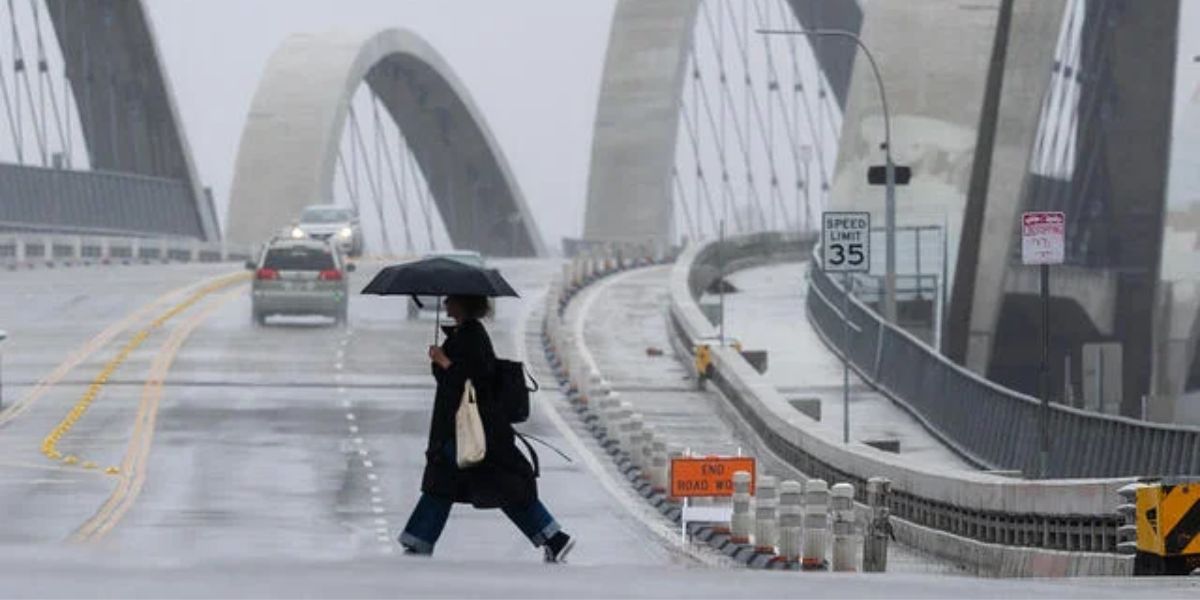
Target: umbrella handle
x=437, y=321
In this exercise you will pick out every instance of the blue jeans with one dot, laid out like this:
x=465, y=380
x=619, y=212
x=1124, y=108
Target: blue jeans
x=431, y=513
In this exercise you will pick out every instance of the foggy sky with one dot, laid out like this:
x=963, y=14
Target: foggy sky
x=532, y=66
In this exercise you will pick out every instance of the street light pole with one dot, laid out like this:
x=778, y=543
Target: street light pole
x=889, y=295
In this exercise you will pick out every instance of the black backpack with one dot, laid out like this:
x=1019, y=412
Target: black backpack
x=512, y=389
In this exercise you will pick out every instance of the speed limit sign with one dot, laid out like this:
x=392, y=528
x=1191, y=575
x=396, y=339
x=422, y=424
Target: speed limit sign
x=846, y=242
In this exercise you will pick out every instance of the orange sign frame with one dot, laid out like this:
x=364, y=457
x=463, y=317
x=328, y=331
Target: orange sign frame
x=708, y=477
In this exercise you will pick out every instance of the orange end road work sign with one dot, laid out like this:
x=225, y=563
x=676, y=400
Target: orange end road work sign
x=710, y=476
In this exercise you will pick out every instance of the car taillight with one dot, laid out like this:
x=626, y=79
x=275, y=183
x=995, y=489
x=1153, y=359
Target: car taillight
x=330, y=275
x=266, y=274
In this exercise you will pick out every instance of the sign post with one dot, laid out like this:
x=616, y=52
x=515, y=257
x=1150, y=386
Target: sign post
x=1043, y=243
x=846, y=248
x=706, y=477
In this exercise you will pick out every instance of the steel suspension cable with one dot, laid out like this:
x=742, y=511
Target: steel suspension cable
x=44, y=75
x=400, y=197
x=12, y=120
x=691, y=128
x=682, y=202
x=742, y=44
x=423, y=196
x=719, y=126
x=350, y=191
x=693, y=123
x=356, y=139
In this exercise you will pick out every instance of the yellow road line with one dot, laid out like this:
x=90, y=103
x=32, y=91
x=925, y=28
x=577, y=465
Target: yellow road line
x=133, y=465
x=49, y=445
x=84, y=352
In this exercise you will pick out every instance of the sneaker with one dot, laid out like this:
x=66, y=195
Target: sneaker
x=558, y=547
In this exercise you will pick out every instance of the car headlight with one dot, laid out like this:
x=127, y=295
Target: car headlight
x=298, y=233
x=346, y=233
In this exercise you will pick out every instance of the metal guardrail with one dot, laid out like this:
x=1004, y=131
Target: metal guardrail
x=967, y=515
x=29, y=249
x=988, y=424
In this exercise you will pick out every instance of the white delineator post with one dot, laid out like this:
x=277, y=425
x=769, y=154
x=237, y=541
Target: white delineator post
x=594, y=385
x=766, y=501
x=742, y=522
x=633, y=433
x=619, y=426
x=845, y=551
x=658, y=467
x=646, y=449
x=673, y=452
x=606, y=411
x=791, y=517
x=816, y=524
x=637, y=445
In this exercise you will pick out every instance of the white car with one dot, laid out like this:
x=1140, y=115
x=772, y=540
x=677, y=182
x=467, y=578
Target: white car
x=299, y=277
x=429, y=303
x=335, y=224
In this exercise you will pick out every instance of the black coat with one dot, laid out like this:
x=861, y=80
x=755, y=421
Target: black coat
x=505, y=477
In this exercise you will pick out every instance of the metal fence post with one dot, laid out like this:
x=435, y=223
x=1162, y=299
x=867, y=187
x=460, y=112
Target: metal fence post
x=3, y=336
x=879, y=527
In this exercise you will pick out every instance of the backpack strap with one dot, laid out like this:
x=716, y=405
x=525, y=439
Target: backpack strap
x=536, y=386
x=537, y=467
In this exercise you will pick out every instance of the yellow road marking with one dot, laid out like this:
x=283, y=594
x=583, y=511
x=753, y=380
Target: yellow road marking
x=84, y=352
x=49, y=445
x=133, y=465
x=39, y=466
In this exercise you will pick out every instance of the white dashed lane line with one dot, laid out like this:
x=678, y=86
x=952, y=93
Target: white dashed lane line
x=383, y=534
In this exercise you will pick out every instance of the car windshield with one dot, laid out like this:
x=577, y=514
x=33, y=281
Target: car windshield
x=298, y=259
x=325, y=215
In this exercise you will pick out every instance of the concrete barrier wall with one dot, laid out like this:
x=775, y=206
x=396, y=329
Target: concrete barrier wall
x=30, y=250
x=995, y=525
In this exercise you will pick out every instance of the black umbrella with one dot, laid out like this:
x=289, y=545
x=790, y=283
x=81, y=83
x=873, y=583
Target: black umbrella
x=439, y=277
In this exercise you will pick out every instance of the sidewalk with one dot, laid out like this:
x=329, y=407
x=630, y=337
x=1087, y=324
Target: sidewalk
x=768, y=313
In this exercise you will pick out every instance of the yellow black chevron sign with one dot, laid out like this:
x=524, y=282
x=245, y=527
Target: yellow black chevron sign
x=1168, y=519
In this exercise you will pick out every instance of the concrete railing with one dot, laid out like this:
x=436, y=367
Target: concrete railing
x=998, y=525
x=25, y=250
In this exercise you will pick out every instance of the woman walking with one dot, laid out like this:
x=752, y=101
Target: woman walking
x=504, y=479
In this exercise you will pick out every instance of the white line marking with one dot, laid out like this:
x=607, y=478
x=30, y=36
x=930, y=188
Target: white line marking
x=372, y=477
x=377, y=510
x=349, y=416
x=381, y=522
x=368, y=464
x=375, y=489
x=362, y=452
x=620, y=492
x=358, y=441
x=376, y=500
x=338, y=366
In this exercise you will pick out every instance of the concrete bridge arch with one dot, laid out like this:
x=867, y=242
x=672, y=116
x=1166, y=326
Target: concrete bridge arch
x=288, y=151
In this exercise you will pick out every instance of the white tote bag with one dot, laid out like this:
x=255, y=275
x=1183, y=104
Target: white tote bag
x=468, y=430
